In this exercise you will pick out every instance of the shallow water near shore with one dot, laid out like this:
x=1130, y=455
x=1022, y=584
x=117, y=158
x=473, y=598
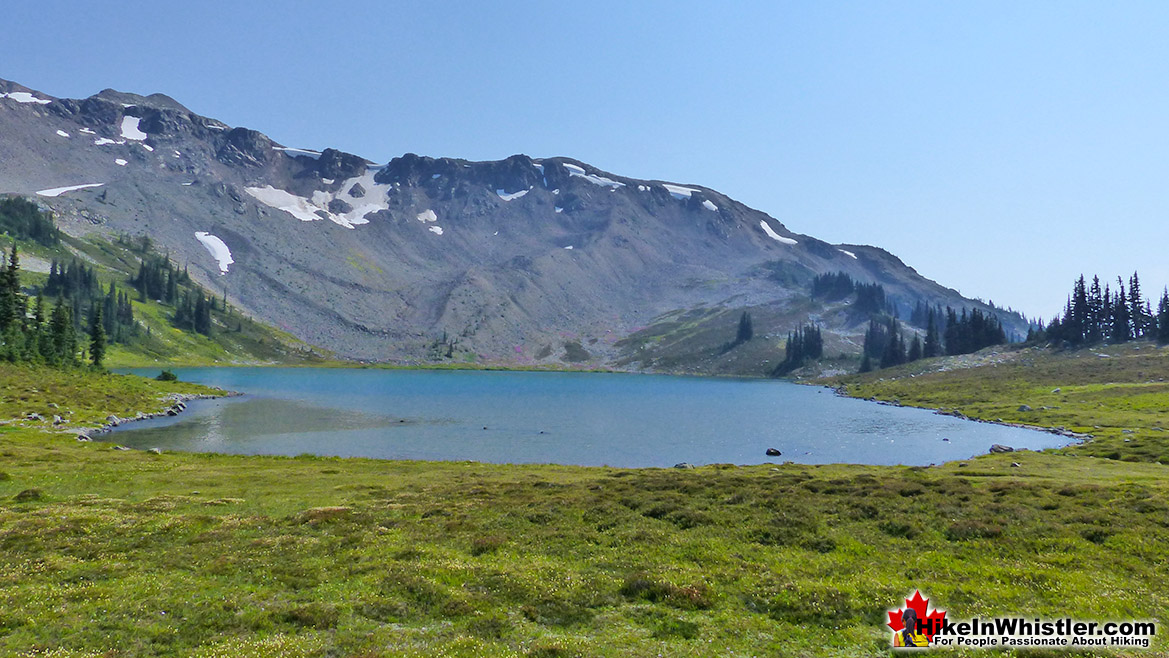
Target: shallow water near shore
x=587, y=419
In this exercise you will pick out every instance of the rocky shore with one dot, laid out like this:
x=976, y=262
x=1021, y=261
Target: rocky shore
x=178, y=404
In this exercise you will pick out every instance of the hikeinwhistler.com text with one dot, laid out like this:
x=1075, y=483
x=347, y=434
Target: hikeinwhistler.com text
x=1008, y=632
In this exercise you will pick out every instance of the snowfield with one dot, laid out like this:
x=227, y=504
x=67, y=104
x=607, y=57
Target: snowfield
x=316, y=208
x=291, y=152
x=130, y=129
x=514, y=195
x=58, y=191
x=679, y=192
x=579, y=172
x=775, y=236
x=25, y=97
x=217, y=249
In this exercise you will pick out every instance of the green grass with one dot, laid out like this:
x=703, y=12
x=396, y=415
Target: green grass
x=1118, y=394
x=114, y=553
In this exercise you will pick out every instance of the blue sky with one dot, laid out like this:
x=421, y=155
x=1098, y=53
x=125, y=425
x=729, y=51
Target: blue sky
x=1001, y=148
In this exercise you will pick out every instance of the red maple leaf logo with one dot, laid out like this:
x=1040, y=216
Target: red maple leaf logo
x=929, y=623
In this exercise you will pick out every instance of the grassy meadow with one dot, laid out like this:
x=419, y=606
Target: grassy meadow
x=105, y=552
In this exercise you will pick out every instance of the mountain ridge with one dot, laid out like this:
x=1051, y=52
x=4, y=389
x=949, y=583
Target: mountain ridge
x=499, y=261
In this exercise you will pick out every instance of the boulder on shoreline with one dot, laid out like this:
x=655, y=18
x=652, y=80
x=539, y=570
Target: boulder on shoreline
x=999, y=448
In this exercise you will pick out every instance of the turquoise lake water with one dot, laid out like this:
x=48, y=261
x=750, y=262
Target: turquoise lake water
x=564, y=418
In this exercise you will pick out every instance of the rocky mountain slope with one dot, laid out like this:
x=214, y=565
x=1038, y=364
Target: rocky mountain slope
x=518, y=261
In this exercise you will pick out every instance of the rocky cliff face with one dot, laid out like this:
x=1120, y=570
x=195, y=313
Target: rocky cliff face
x=517, y=261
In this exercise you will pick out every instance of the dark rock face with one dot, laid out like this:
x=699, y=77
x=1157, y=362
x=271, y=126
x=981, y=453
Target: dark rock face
x=339, y=207
x=357, y=191
x=1000, y=448
x=246, y=148
x=339, y=166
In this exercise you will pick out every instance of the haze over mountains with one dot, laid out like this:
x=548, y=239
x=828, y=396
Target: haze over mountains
x=518, y=261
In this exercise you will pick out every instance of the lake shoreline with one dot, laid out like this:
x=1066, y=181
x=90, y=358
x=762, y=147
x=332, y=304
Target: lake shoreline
x=558, y=418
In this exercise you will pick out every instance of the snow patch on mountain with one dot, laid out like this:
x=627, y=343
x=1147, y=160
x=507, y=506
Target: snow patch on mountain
x=25, y=97
x=706, y=203
x=102, y=141
x=87, y=131
x=293, y=152
x=217, y=248
x=427, y=216
x=58, y=191
x=437, y=230
x=297, y=206
x=130, y=129
x=847, y=253
x=62, y=133
x=311, y=210
x=579, y=172
x=679, y=192
x=514, y=195
x=775, y=236
x=120, y=162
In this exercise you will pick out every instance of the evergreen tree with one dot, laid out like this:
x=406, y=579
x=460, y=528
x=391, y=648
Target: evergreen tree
x=894, y=353
x=915, y=350
x=9, y=292
x=1136, y=307
x=866, y=364
x=1163, y=318
x=1097, y=313
x=933, y=346
x=1121, y=320
x=803, y=345
x=746, y=330
x=97, y=339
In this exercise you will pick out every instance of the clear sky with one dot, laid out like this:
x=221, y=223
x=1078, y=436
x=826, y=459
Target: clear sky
x=1001, y=148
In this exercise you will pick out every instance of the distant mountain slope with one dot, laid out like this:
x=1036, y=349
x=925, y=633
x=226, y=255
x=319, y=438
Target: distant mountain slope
x=517, y=261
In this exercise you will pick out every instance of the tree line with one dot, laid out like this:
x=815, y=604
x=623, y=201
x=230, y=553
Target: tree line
x=33, y=337
x=23, y=220
x=1094, y=315
x=76, y=285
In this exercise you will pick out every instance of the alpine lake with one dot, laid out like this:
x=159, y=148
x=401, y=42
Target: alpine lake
x=588, y=419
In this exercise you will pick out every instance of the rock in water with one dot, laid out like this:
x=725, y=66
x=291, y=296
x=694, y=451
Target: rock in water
x=772, y=452
x=998, y=447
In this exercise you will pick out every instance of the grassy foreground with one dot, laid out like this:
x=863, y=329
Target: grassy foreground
x=124, y=553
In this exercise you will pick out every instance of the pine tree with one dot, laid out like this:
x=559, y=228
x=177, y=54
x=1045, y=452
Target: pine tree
x=1097, y=312
x=1163, y=318
x=1077, y=324
x=915, y=350
x=97, y=338
x=746, y=330
x=1121, y=327
x=932, y=347
x=1136, y=307
x=9, y=292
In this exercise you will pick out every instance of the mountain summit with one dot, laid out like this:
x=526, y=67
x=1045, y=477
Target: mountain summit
x=517, y=261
